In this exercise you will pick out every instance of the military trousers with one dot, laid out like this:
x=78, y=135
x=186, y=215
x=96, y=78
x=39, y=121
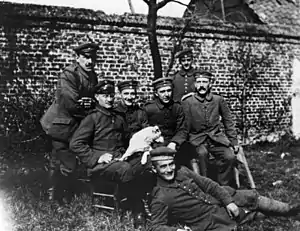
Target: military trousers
x=224, y=157
x=134, y=178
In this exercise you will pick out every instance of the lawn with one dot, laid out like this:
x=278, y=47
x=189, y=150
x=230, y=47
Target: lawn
x=24, y=207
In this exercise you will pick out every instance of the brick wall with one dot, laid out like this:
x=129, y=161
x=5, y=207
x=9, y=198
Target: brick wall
x=36, y=44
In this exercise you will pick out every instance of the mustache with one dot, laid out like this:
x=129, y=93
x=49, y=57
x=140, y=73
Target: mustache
x=201, y=88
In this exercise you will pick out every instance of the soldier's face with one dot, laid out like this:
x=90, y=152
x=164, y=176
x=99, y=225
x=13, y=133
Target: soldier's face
x=87, y=61
x=164, y=94
x=186, y=62
x=106, y=100
x=165, y=169
x=202, y=85
x=128, y=96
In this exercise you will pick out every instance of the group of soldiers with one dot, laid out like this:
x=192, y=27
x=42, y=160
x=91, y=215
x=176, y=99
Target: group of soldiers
x=84, y=122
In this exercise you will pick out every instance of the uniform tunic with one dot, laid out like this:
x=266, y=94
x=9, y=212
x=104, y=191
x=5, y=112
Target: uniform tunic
x=195, y=201
x=203, y=119
x=183, y=82
x=135, y=116
x=170, y=119
x=73, y=84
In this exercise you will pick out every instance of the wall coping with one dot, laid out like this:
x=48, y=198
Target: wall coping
x=35, y=12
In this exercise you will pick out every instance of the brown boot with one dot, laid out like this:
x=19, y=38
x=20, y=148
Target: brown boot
x=276, y=208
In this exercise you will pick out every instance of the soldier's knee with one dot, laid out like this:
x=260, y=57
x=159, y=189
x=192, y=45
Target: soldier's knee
x=125, y=171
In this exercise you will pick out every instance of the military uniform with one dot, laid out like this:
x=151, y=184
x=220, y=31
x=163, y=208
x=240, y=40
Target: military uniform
x=183, y=82
x=204, y=127
x=197, y=202
x=65, y=113
x=104, y=131
x=170, y=119
x=135, y=116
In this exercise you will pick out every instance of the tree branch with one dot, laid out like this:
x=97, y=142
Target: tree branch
x=147, y=2
x=163, y=3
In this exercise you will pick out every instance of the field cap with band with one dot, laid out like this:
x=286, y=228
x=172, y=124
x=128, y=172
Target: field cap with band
x=86, y=48
x=105, y=87
x=129, y=84
x=162, y=153
x=186, y=51
x=203, y=74
x=162, y=82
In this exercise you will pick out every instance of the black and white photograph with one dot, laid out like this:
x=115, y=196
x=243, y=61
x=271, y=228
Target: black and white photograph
x=150, y=115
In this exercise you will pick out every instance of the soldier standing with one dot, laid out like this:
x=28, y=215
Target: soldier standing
x=183, y=80
x=73, y=99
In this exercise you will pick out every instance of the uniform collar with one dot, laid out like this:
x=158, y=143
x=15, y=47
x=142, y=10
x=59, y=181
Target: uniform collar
x=162, y=105
x=104, y=110
x=189, y=73
x=208, y=97
x=123, y=108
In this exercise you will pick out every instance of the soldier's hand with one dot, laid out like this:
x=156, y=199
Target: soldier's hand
x=236, y=149
x=233, y=210
x=105, y=158
x=86, y=102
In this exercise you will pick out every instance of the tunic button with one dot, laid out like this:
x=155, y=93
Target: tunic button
x=184, y=187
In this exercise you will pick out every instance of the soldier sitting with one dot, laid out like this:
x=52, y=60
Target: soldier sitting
x=100, y=140
x=203, y=110
x=135, y=116
x=194, y=201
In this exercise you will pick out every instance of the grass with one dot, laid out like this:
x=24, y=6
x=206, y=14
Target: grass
x=23, y=183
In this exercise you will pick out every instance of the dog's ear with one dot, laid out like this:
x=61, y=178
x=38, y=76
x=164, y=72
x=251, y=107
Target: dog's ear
x=156, y=129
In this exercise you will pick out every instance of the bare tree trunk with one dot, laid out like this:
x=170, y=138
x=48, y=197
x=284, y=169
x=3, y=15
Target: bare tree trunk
x=152, y=36
x=131, y=7
x=223, y=10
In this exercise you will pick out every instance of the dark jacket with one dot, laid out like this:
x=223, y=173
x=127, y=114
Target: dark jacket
x=102, y=131
x=183, y=83
x=203, y=119
x=135, y=116
x=191, y=200
x=170, y=119
x=73, y=84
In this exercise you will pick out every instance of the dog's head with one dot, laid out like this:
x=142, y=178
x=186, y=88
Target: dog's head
x=157, y=136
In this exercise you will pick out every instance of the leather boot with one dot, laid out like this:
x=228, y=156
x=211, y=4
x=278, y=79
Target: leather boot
x=277, y=208
x=195, y=166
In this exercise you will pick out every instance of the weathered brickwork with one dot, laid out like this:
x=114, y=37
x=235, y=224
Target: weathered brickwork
x=36, y=44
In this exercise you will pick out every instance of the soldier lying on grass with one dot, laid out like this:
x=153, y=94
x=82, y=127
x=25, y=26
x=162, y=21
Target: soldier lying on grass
x=196, y=202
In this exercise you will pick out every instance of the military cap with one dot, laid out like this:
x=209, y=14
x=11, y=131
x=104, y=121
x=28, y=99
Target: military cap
x=186, y=51
x=162, y=82
x=162, y=153
x=86, y=48
x=105, y=87
x=203, y=74
x=129, y=84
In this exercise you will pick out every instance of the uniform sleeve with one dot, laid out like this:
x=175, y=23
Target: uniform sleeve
x=187, y=114
x=211, y=187
x=159, y=218
x=69, y=93
x=181, y=127
x=82, y=138
x=228, y=122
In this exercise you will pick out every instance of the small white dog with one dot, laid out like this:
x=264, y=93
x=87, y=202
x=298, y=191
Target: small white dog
x=141, y=142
